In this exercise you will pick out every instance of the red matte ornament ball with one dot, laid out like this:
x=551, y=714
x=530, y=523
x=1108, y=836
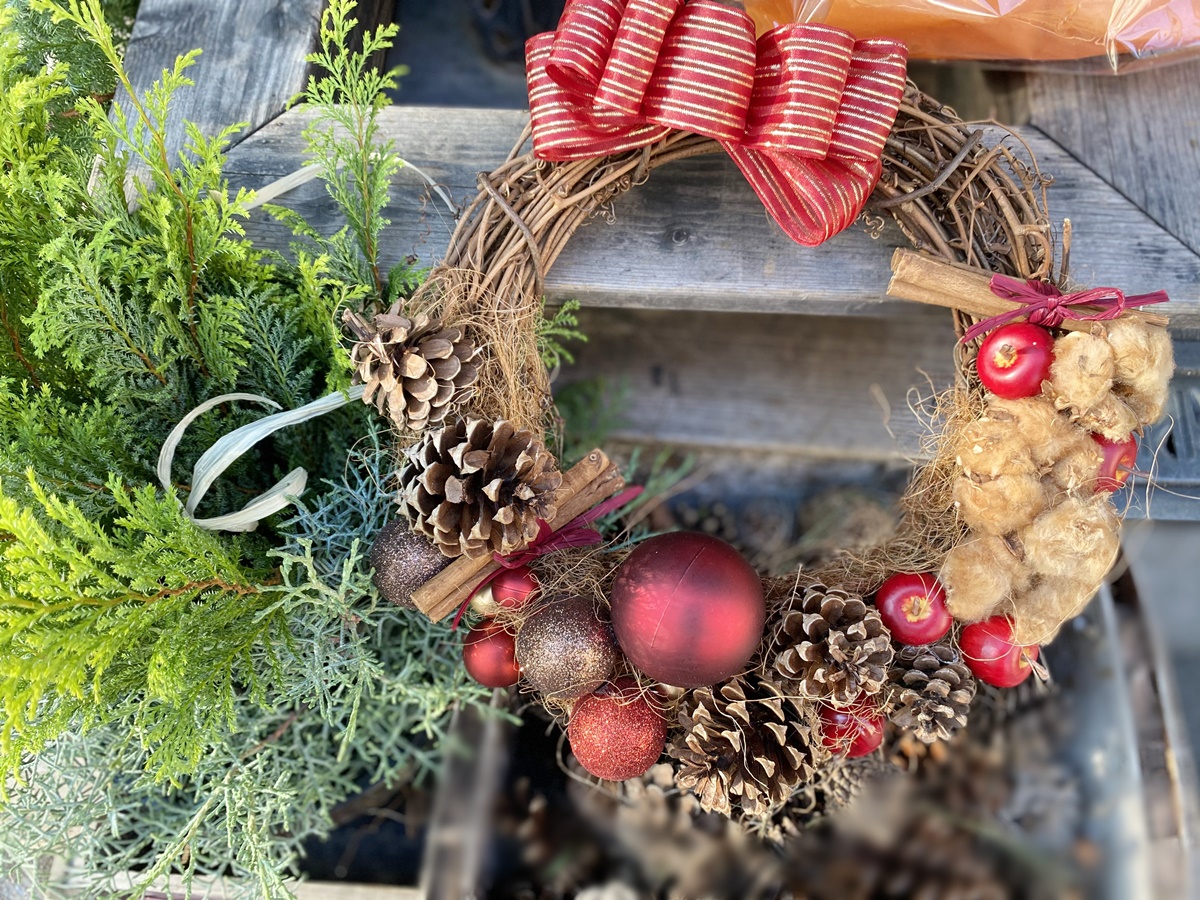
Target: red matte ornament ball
x=1120, y=457
x=1015, y=359
x=515, y=588
x=687, y=609
x=490, y=655
x=854, y=730
x=618, y=732
x=993, y=656
x=913, y=607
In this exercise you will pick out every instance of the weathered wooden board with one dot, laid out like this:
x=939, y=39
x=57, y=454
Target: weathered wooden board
x=830, y=386
x=695, y=236
x=1139, y=132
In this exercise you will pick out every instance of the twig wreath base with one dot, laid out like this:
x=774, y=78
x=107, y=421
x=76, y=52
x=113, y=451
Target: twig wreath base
x=1007, y=512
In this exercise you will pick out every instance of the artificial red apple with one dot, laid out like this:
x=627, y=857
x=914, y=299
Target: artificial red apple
x=854, y=730
x=1015, y=359
x=993, y=656
x=913, y=607
x=1119, y=459
x=514, y=588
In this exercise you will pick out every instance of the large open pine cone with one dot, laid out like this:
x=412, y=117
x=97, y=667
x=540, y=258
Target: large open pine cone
x=476, y=488
x=414, y=369
x=834, y=646
x=745, y=745
x=934, y=690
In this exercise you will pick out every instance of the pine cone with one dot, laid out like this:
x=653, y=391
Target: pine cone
x=934, y=690
x=413, y=369
x=745, y=745
x=835, y=646
x=477, y=488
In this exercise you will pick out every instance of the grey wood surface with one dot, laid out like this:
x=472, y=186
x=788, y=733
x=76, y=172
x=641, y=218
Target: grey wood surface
x=695, y=236
x=1138, y=132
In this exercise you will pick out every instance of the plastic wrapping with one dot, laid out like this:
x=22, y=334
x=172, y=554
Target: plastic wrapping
x=1079, y=35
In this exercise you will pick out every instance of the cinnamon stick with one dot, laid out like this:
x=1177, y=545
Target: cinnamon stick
x=935, y=281
x=589, y=482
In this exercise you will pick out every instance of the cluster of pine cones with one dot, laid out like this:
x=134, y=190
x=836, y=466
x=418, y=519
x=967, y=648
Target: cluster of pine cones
x=751, y=747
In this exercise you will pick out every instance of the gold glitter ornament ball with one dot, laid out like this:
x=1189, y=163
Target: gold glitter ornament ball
x=565, y=650
x=403, y=561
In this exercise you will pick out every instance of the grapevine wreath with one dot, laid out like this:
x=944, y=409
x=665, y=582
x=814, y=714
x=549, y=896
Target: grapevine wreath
x=757, y=689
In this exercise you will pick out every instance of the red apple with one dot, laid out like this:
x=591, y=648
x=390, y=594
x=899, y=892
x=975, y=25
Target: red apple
x=490, y=655
x=854, y=730
x=514, y=588
x=1014, y=360
x=913, y=607
x=1119, y=459
x=991, y=654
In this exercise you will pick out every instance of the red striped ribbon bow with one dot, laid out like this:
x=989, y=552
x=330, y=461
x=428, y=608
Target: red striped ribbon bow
x=1044, y=304
x=804, y=111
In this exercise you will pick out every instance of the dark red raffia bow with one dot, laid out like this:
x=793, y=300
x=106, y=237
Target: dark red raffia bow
x=804, y=111
x=575, y=533
x=1047, y=305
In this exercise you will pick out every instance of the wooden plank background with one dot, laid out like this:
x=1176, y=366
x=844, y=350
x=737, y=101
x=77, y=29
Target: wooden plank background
x=695, y=237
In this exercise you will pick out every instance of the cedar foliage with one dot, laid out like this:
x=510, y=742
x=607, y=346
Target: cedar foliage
x=177, y=700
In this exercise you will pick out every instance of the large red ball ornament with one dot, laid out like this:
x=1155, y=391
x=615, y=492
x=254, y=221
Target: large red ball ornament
x=687, y=609
x=618, y=732
x=490, y=655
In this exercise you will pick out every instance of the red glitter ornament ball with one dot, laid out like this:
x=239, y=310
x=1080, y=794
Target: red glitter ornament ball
x=687, y=609
x=618, y=732
x=490, y=655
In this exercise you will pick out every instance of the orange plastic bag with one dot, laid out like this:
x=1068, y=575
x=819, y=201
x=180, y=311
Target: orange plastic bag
x=1118, y=35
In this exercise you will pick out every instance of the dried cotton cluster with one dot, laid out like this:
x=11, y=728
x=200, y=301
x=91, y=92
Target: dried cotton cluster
x=1041, y=536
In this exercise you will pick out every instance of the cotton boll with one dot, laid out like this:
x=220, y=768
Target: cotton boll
x=1112, y=417
x=1076, y=540
x=999, y=505
x=1078, y=467
x=990, y=447
x=1082, y=373
x=1040, y=612
x=979, y=576
x=1143, y=362
x=1048, y=433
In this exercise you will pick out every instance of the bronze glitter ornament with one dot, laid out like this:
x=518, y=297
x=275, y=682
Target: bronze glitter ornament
x=403, y=561
x=565, y=650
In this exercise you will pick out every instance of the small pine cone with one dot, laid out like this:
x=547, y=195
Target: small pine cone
x=836, y=646
x=476, y=488
x=933, y=690
x=745, y=745
x=414, y=369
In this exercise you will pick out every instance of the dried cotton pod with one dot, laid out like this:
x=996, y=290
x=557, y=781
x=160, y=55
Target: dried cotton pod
x=1143, y=363
x=1078, y=540
x=1112, y=417
x=1082, y=373
x=991, y=447
x=1041, y=611
x=1048, y=433
x=1078, y=466
x=980, y=576
x=999, y=505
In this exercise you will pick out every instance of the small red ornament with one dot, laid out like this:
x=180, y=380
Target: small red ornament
x=515, y=588
x=1014, y=360
x=490, y=655
x=1119, y=459
x=991, y=654
x=618, y=732
x=913, y=607
x=687, y=609
x=854, y=730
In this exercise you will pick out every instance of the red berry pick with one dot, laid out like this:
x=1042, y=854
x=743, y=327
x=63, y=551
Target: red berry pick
x=993, y=656
x=1119, y=459
x=514, y=588
x=490, y=655
x=913, y=607
x=1014, y=360
x=618, y=732
x=854, y=730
